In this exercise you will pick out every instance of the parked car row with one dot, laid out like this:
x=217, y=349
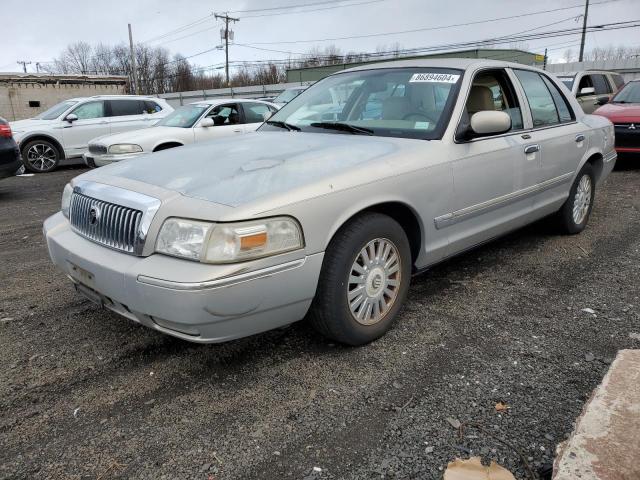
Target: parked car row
x=104, y=129
x=63, y=131
x=334, y=203
x=196, y=122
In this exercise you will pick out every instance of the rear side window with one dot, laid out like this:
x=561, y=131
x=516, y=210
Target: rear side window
x=254, y=112
x=564, y=110
x=543, y=107
x=120, y=108
x=618, y=80
x=601, y=84
x=151, y=107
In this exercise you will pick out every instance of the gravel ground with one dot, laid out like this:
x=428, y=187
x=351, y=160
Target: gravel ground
x=85, y=394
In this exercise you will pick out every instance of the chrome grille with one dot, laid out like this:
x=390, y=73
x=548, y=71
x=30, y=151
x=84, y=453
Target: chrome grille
x=106, y=223
x=97, y=149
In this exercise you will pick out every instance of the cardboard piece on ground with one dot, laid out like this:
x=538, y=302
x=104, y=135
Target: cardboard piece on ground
x=472, y=469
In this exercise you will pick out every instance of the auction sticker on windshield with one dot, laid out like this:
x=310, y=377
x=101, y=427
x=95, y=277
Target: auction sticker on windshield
x=434, y=77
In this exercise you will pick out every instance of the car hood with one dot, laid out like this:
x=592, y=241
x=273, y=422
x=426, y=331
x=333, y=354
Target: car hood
x=620, y=112
x=238, y=170
x=30, y=124
x=142, y=136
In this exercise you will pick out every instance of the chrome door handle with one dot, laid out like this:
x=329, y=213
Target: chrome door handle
x=237, y=131
x=532, y=148
x=580, y=138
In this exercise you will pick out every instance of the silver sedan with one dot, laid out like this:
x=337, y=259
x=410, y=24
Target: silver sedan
x=365, y=179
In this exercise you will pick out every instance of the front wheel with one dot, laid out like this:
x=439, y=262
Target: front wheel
x=40, y=156
x=364, y=280
x=574, y=214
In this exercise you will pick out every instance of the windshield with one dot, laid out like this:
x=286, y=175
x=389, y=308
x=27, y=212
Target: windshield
x=568, y=81
x=55, y=111
x=390, y=102
x=287, y=95
x=183, y=117
x=630, y=93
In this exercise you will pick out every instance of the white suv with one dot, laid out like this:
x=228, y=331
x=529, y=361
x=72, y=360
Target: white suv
x=64, y=130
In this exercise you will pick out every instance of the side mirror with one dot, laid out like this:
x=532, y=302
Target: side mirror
x=586, y=91
x=267, y=115
x=72, y=117
x=602, y=100
x=207, y=122
x=490, y=122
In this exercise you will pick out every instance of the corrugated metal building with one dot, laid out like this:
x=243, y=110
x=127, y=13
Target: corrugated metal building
x=313, y=74
x=24, y=95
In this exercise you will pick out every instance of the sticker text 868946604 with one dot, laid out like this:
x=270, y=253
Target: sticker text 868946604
x=434, y=77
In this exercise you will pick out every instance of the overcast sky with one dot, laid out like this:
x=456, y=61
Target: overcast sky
x=38, y=30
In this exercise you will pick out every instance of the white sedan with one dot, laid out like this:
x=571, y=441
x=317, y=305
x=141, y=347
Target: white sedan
x=196, y=122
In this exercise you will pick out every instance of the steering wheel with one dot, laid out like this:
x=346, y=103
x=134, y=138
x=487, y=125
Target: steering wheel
x=420, y=115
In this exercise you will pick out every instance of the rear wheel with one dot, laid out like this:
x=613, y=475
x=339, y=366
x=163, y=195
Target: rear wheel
x=364, y=280
x=40, y=156
x=574, y=214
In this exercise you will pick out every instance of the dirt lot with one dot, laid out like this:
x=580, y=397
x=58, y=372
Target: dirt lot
x=87, y=394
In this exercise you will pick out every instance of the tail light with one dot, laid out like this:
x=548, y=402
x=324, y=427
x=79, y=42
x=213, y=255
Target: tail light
x=5, y=131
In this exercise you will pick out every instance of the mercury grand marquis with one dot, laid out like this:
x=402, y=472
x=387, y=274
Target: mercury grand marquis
x=368, y=177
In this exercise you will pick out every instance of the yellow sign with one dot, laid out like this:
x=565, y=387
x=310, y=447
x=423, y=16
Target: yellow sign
x=539, y=58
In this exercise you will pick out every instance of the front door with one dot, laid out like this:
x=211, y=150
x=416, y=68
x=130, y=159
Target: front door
x=226, y=122
x=91, y=123
x=492, y=175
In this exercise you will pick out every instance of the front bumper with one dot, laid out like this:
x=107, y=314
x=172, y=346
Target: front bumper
x=100, y=160
x=222, y=308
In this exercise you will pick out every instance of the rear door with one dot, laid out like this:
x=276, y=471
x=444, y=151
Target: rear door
x=490, y=173
x=127, y=114
x=562, y=142
x=227, y=122
x=91, y=123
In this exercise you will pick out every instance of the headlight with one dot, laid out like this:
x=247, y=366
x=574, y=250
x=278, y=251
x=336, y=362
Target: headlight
x=228, y=242
x=121, y=148
x=66, y=199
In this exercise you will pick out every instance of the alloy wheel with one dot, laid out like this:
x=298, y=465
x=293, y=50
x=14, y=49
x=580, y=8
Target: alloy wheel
x=374, y=281
x=41, y=157
x=582, y=199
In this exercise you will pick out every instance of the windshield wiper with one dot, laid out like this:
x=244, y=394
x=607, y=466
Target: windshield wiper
x=345, y=127
x=278, y=123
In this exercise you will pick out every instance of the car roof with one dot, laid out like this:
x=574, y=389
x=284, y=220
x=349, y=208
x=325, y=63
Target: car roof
x=115, y=97
x=456, y=63
x=217, y=101
x=574, y=73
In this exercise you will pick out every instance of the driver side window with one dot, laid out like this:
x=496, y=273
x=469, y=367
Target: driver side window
x=493, y=90
x=225, y=115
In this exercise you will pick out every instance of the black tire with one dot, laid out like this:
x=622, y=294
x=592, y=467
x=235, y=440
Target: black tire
x=330, y=312
x=46, y=162
x=567, y=222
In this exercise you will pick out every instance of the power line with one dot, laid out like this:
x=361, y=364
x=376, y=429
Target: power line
x=289, y=6
x=425, y=29
x=178, y=29
x=312, y=10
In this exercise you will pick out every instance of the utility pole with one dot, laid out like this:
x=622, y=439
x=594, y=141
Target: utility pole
x=24, y=65
x=134, y=74
x=226, y=19
x=584, y=30
x=544, y=66
x=37, y=67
